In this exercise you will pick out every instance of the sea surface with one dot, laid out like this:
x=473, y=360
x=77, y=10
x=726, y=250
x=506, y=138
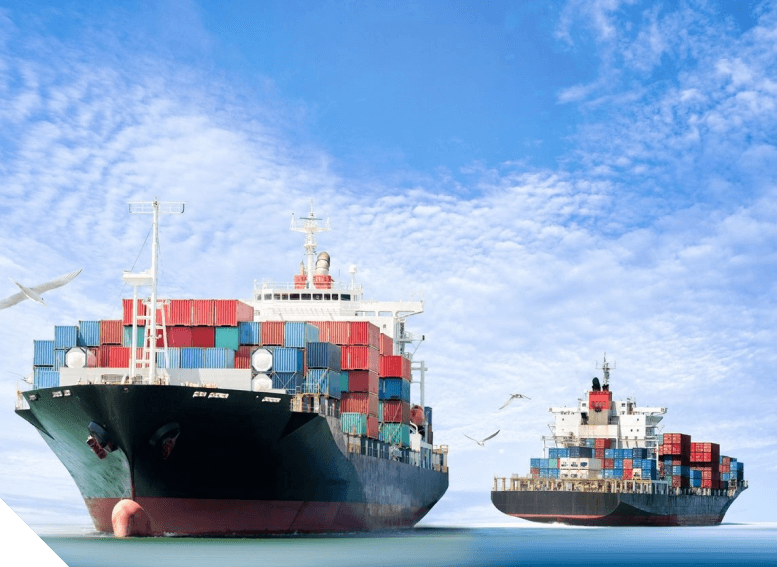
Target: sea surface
x=728, y=544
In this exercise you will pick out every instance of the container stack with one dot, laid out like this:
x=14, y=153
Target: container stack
x=705, y=459
x=394, y=393
x=349, y=360
x=698, y=465
x=581, y=462
x=675, y=456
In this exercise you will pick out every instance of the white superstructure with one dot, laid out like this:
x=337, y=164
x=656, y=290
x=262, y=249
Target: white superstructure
x=316, y=296
x=625, y=422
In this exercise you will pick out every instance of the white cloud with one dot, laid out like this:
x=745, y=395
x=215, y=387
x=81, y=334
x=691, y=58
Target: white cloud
x=528, y=277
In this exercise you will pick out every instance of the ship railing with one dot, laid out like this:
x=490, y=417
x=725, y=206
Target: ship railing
x=21, y=402
x=517, y=483
x=315, y=403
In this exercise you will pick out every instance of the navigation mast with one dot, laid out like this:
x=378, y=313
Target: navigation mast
x=309, y=225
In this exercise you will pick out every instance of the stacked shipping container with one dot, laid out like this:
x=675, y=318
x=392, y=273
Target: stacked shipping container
x=699, y=465
x=593, y=460
x=349, y=360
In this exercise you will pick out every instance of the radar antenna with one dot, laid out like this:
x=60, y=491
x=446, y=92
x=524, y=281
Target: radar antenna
x=606, y=372
x=309, y=225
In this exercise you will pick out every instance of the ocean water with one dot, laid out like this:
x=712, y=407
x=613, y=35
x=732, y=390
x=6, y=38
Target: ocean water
x=727, y=544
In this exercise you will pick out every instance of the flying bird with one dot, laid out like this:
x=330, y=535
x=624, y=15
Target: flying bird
x=35, y=292
x=482, y=443
x=513, y=397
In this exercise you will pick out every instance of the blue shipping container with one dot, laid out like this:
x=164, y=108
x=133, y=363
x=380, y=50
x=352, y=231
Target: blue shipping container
x=89, y=333
x=297, y=334
x=639, y=453
x=249, y=332
x=192, y=357
x=323, y=355
x=65, y=336
x=577, y=452
x=171, y=360
x=535, y=463
x=290, y=381
x=428, y=415
x=59, y=359
x=219, y=357
x=46, y=379
x=288, y=360
x=43, y=353
x=394, y=389
x=322, y=381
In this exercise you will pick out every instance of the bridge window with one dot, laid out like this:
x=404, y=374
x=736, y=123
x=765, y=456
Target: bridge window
x=306, y=297
x=294, y=296
x=267, y=296
x=317, y=296
x=345, y=296
x=334, y=296
x=327, y=296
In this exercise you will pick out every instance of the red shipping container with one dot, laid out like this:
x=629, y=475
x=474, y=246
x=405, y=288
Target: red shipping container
x=681, y=482
x=92, y=357
x=680, y=438
x=272, y=333
x=245, y=351
x=599, y=453
x=111, y=332
x=231, y=311
x=627, y=474
x=127, y=311
x=203, y=337
x=203, y=313
x=363, y=381
x=609, y=464
x=166, y=309
x=363, y=333
x=373, y=428
x=178, y=337
x=359, y=402
x=395, y=367
x=102, y=356
x=396, y=411
x=119, y=357
x=335, y=332
x=386, y=344
x=243, y=363
x=359, y=358
x=627, y=463
x=179, y=312
x=601, y=443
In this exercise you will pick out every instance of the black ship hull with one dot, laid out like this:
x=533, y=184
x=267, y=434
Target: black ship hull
x=223, y=462
x=615, y=509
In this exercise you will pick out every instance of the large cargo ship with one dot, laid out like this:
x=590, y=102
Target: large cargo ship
x=605, y=464
x=287, y=412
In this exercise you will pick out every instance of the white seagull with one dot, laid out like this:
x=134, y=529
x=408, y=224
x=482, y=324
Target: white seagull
x=513, y=397
x=482, y=443
x=35, y=292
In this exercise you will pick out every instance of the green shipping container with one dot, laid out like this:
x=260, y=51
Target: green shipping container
x=227, y=337
x=552, y=463
x=395, y=433
x=354, y=423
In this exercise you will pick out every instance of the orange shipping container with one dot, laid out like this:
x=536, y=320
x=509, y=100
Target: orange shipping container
x=111, y=332
x=272, y=333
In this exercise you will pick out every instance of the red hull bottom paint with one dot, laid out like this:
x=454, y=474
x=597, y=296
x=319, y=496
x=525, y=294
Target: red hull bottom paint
x=190, y=516
x=621, y=520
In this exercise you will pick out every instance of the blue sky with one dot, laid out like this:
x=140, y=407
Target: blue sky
x=556, y=180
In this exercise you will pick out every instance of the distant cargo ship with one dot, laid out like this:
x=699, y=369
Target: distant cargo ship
x=607, y=466
x=288, y=412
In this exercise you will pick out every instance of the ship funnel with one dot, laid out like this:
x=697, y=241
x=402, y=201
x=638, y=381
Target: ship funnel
x=322, y=264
